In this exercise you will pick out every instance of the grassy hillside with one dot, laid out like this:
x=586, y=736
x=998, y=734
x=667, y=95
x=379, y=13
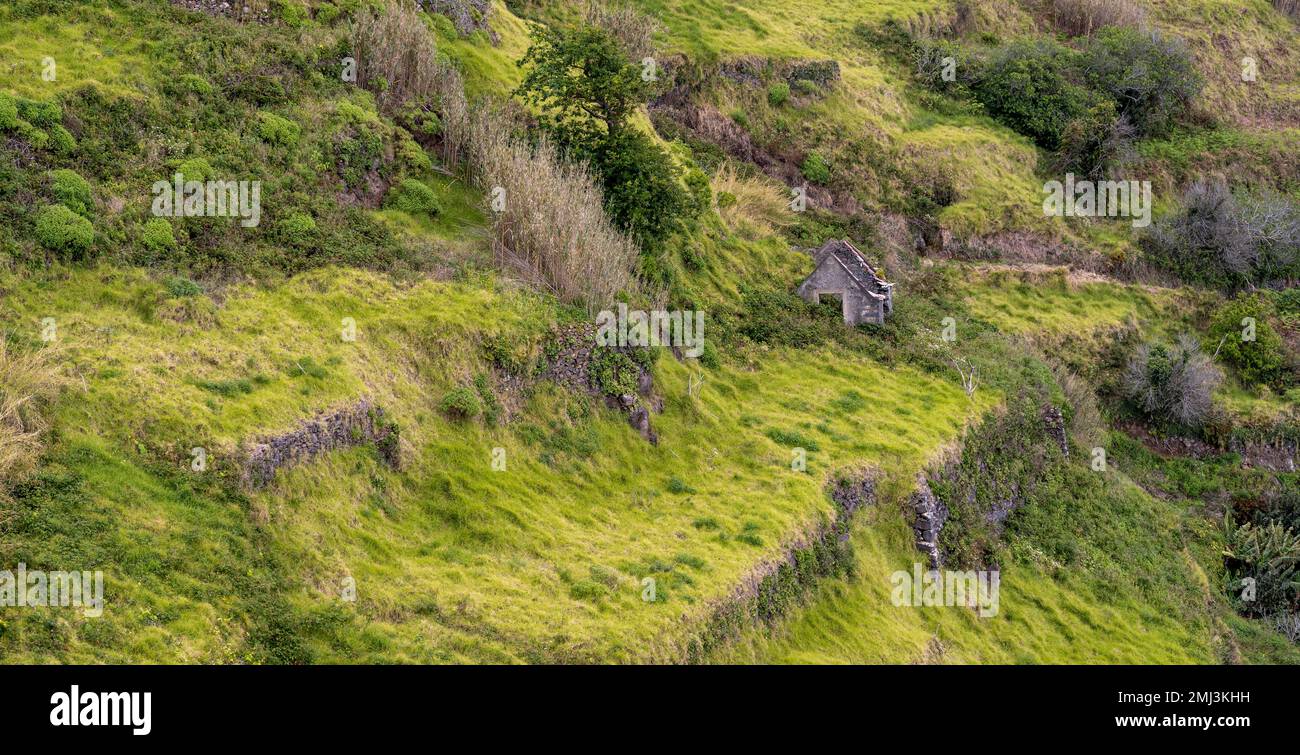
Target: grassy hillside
x=525, y=530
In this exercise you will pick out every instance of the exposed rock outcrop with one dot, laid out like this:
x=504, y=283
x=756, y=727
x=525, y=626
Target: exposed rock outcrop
x=1054, y=425
x=468, y=16
x=570, y=363
x=930, y=513
x=977, y=481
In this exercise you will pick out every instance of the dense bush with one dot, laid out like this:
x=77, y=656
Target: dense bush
x=1151, y=78
x=61, y=230
x=1268, y=554
x=1218, y=238
x=1087, y=103
x=71, y=191
x=644, y=192
x=1027, y=85
x=157, y=237
x=413, y=196
x=357, y=145
x=778, y=93
x=460, y=403
x=1172, y=384
x=297, y=230
x=277, y=131
x=815, y=168
x=1259, y=360
x=61, y=140
x=196, y=169
x=8, y=112
x=1095, y=141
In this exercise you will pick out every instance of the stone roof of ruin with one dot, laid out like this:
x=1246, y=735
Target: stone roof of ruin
x=859, y=270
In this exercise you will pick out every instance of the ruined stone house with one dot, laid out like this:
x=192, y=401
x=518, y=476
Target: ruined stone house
x=843, y=272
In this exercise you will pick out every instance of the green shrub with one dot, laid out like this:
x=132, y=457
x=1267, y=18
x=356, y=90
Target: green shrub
x=815, y=168
x=491, y=404
x=62, y=140
x=613, y=372
x=1095, y=140
x=326, y=13
x=179, y=287
x=156, y=235
x=414, y=197
x=34, y=136
x=1259, y=360
x=61, y=230
x=1287, y=302
x=293, y=12
x=277, y=131
x=412, y=157
x=460, y=403
x=778, y=94
x=40, y=113
x=196, y=169
x=1151, y=77
x=71, y=191
x=1026, y=86
x=709, y=356
x=644, y=193
x=298, y=229
x=8, y=112
x=196, y=84
x=701, y=193
x=357, y=144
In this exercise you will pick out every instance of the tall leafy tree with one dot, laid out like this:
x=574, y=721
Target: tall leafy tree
x=584, y=87
x=583, y=84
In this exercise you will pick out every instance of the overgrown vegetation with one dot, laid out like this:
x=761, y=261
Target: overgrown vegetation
x=1229, y=240
x=412, y=202
x=1172, y=383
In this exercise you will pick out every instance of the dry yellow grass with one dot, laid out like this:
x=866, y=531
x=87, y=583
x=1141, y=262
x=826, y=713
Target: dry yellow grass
x=28, y=382
x=753, y=207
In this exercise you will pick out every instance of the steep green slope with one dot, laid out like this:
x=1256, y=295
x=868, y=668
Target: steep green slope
x=448, y=558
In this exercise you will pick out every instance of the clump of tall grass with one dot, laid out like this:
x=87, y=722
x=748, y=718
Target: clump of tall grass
x=548, y=220
x=749, y=204
x=397, y=59
x=29, y=381
x=1080, y=18
x=1288, y=7
x=1087, y=427
x=549, y=223
x=633, y=29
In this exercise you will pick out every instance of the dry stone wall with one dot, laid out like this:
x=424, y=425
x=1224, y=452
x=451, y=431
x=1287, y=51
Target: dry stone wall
x=362, y=423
